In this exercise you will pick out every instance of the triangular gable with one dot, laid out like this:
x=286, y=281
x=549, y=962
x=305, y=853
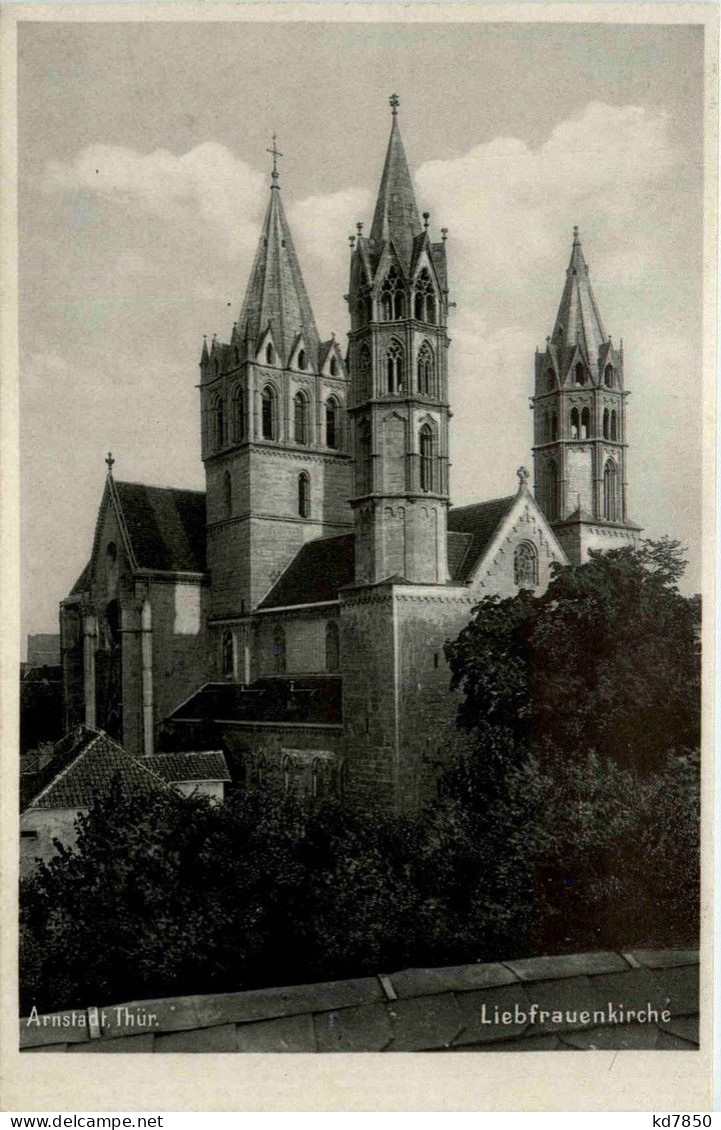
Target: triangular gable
x=298, y=344
x=523, y=499
x=267, y=338
x=330, y=350
x=110, y=499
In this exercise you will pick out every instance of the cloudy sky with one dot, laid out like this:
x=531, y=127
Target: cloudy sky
x=144, y=177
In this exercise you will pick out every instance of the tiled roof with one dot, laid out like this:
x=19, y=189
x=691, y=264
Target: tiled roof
x=166, y=526
x=276, y=292
x=83, y=581
x=304, y=698
x=480, y=521
x=319, y=569
x=205, y=765
x=453, y=1009
x=97, y=760
x=396, y=218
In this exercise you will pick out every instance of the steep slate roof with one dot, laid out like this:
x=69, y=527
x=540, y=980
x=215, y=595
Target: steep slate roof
x=166, y=526
x=83, y=581
x=396, y=217
x=97, y=761
x=276, y=293
x=205, y=765
x=480, y=521
x=578, y=319
x=316, y=573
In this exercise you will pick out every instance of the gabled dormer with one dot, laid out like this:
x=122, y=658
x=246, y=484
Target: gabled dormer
x=267, y=351
x=300, y=359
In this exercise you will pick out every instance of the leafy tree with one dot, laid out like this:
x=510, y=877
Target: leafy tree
x=607, y=659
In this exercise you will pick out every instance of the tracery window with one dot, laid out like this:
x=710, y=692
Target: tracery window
x=394, y=367
x=424, y=305
x=610, y=491
x=392, y=297
x=304, y=495
x=427, y=453
x=426, y=381
x=525, y=565
x=331, y=423
x=300, y=417
x=269, y=412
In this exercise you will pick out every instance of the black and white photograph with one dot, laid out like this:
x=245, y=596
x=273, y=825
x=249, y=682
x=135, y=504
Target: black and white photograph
x=363, y=417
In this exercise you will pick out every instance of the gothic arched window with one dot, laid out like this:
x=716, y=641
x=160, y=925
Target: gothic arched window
x=227, y=653
x=427, y=453
x=614, y=425
x=228, y=494
x=574, y=423
x=610, y=491
x=364, y=457
x=331, y=423
x=608, y=376
x=269, y=354
x=238, y=414
x=580, y=374
x=302, y=360
x=394, y=367
x=332, y=646
x=333, y=367
x=304, y=495
x=525, y=566
x=300, y=417
x=426, y=375
x=364, y=371
x=424, y=305
x=269, y=413
x=392, y=297
x=279, y=662
x=550, y=490
x=606, y=423
x=585, y=423
x=217, y=413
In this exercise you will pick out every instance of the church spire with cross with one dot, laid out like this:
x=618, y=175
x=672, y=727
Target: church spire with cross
x=396, y=217
x=276, y=295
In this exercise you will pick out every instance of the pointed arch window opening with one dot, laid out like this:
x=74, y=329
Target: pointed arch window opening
x=279, y=652
x=608, y=376
x=525, y=566
x=424, y=300
x=585, y=423
x=610, y=492
x=614, y=426
x=304, y=495
x=427, y=456
x=269, y=413
x=364, y=457
x=332, y=647
x=227, y=494
x=606, y=424
x=217, y=413
x=302, y=360
x=550, y=490
x=394, y=368
x=269, y=354
x=364, y=371
x=238, y=414
x=331, y=423
x=228, y=653
x=392, y=302
x=580, y=375
x=574, y=423
x=300, y=418
x=426, y=371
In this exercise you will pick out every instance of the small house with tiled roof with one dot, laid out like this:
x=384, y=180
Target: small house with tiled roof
x=82, y=767
x=295, y=614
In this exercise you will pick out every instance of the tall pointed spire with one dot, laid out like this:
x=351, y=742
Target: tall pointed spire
x=396, y=216
x=578, y=319
x=276, y=295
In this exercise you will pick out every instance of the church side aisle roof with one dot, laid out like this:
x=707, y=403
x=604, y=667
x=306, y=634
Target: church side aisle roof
x=478, y=522
x=317, y=573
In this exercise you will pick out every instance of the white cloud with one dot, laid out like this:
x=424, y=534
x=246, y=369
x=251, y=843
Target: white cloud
x=207, y=185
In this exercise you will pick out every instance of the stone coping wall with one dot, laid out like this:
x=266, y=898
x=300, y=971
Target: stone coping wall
x=642, y=999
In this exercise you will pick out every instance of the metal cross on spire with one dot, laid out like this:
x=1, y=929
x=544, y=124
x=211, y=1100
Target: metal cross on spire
x=276, y=154
x=395, y=103
x=110, y=461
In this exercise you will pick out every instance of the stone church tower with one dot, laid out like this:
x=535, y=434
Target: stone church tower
x=399, y=390
x=580, y=441
x=273, y=403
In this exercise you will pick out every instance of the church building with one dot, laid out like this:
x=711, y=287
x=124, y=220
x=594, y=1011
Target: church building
x=295, y=613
